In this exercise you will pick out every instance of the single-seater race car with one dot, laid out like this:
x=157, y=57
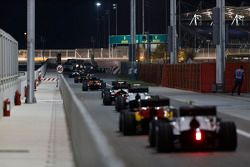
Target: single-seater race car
x=195, y=127
x=135, y=92
x=74, y=73
x=140, y=114
x=119, y=88
x=93, y=83
x=81, y=75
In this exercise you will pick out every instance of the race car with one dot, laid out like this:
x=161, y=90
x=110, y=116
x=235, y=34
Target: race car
x=93, y=83
x=119, y=88
x=135, y=92
x=74, y=74
x=81, y=75
x=136, y=119
x=89, y=67
x=195, y=127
